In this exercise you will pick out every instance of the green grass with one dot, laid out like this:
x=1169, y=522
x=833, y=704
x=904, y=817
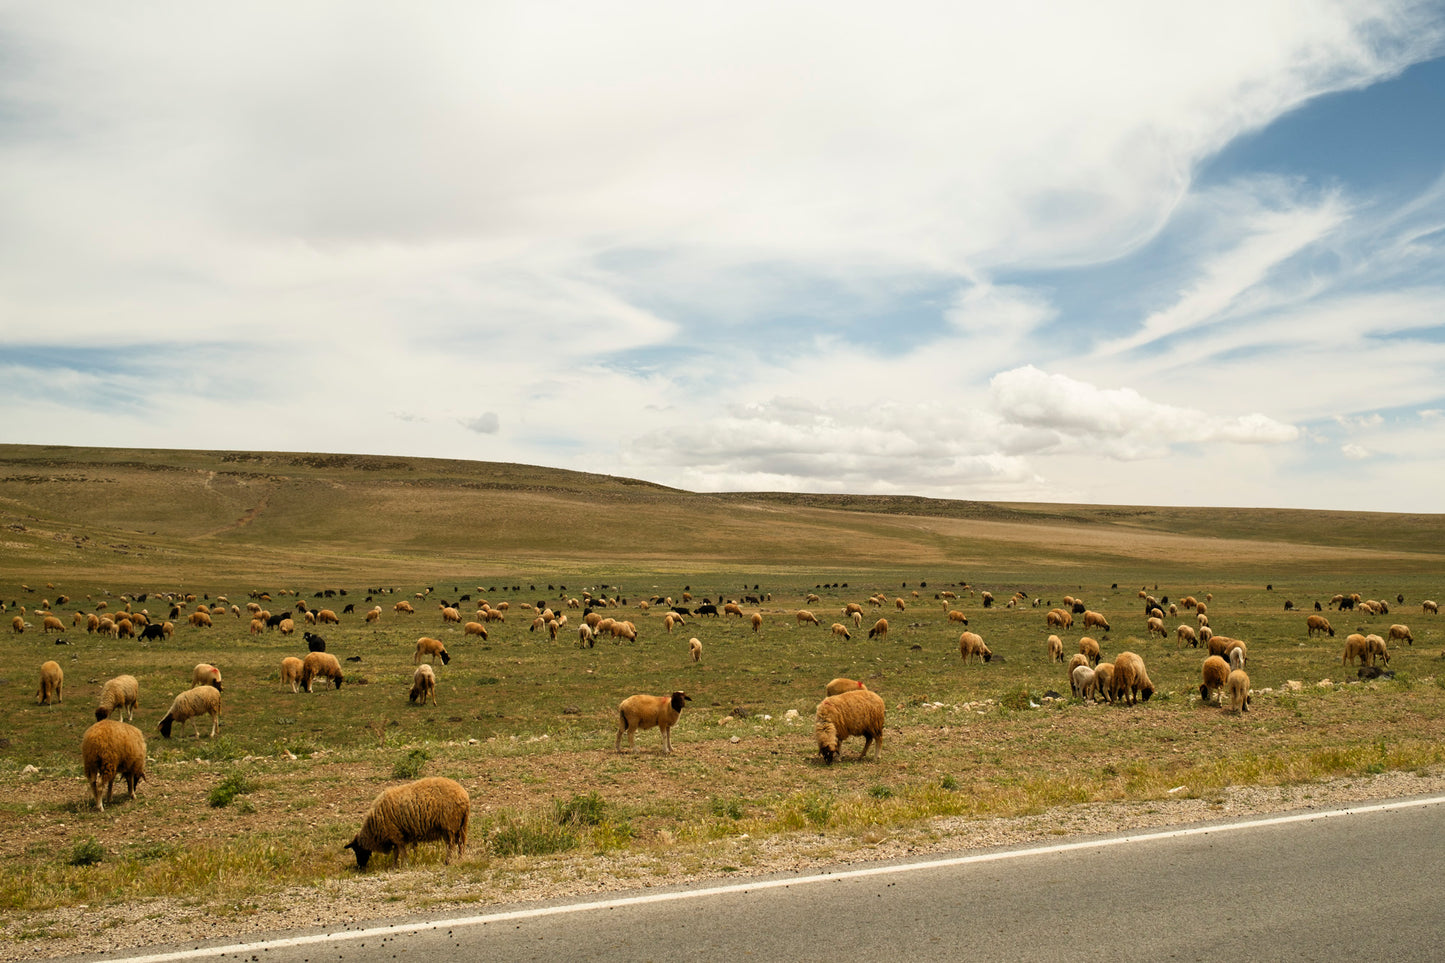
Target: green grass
x=528, y=725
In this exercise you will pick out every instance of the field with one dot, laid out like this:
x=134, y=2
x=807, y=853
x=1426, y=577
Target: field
x=240, y=823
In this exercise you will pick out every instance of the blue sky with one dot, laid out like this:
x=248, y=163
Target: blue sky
x=1086, y=252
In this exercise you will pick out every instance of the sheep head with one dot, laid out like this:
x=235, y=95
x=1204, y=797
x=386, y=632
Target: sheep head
x=363, y=855
x=679, y=699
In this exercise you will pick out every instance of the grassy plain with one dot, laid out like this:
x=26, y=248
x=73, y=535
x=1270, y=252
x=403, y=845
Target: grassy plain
x=527, y=724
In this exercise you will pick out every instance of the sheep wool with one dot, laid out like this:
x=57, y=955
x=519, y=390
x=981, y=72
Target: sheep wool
x=291, y=668
x=645, y=711
x=1131, y=682
x=842, y=684
x=124, y=692
x=1215, y=672
x=206, y=674
x=1084, y=683
x=434, y=809
x=432, y=648
x=1238, y=687
x=322, y=665
x=191, y=704
x=855, y=713
x=108, y=749
x=51, y=681
x=423, y=685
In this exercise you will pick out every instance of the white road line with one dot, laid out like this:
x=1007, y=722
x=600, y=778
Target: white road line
x=462, y=921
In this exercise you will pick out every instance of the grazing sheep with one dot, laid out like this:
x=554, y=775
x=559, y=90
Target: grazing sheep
x=645, y=711
x=1355, y=648
x=804, y=617
x=841, y=631
x=205, y=674
x=1430, y=607
x=879, y=630
x=403, y=608
x=1203, y=620
x=108, y=749
x=1238, y=687
x=1233, y=647
x=291, y=672
x=858, y=712
x=1215, y=672
x=953, y=615
x=287, y=626
x=1131, y=681
x=1056, y=649
x=1156, y=627
x=857, y=618
x=51, y=624
x=200, y=619
x=327, y=617
x=694, y=648
x=432, y=648
x=122, y=691
x=477, y=628
x=842, y=684
x=423, y=685
x=970, y=645
x=314, y=642
x=1090, y=649
x=51, y=681
x=1094, y=620
x=1059, y=618
x=586, y=639
x=320, y=665
x=1104, y=674
x=258, y=626
x=1220, y=645
x=1398, y=632
x=434, y=809
x=1186, y=633
x=191, y=704
x=669, y=620
x=1375, y=649
x=374, y=614
x=1077, y=660
x=17, y=625
x=757, y=621
x=1084, y=683
x=1318, y=624
x=450, y=614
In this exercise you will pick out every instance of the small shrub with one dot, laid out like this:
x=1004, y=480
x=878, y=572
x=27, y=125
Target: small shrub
x=228, y=789
x=1016, y=700
x=818, y=810
x=531, y=838
x=588, y=810
x=411, y=765
x=726, y=808
x=948, y=782
x=881, y=792
x=86, y=852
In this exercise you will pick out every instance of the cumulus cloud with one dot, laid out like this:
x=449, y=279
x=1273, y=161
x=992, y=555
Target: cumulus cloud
x=484, y=424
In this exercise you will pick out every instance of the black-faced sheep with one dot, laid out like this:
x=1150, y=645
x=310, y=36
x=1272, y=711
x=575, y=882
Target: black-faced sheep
x=1430, y=608
x=52, y=679
x=858, y=712
x=434, y=809
x=1401, y=633
x=645, y=711
x=1319, y=625
x=1131, y=681
x=1214, y=674
x=842, y=684
x=108, y=749
x=805, y=617
x=206, y=674
x=123, y=692
x=477, y=628
x=320, y=665
x=153, y=632
x=1056, y=648
x=1155, y=626
x=291, y=669
x=971, y=646
x=51, y=624
x=432, y=648
x=314, y=642
x=1089, y=648
x=841, y=631
x=191, y=704
x=1186, y=633
x=423, y=685
x=1237, y=686
x=879, y=630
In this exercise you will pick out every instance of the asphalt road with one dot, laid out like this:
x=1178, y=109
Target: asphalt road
x=1365, y=885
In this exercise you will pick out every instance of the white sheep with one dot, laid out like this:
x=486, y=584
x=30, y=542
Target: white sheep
x=858, y=712
x=52, y=679
x=124, y=692
x=108, y=749
x=205, y=674
x=1430, y=608
x=320, y=665
x=1084, y=682
x=1155, y=625
x=434, y=809
x=1186, y=633
x=694, y=648
x=191, y=704
x=805, y=617
x=423, y=685
x=645, y=711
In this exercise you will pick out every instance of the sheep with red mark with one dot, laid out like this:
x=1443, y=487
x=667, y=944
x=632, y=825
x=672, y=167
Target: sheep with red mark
x=206, y=674
x=842, y=684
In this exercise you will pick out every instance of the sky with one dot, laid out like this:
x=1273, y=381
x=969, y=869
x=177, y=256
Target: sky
x=1103, y=252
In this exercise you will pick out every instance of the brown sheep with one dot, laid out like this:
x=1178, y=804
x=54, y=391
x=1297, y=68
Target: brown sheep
x=1215, y=672
x=108, y=749
x=52, y=679
x=1090, y=649
x=879, y=630
x=374, y=614
x=423, y=686
x=970, y=645
x=1095, y=620
x=1355, y=648
x=1056, y=648
x=901, y=605
x=841, y=631
x=953, y=616
x=257, y=626
x=1131, y=681
x=200, y=620
x=17, y=625
x=434, y=809
x=1186, y=633
x=842, y=684
x=1077, y=660
x=1398, y=632
x=858, y=712
x=732, y=608
x=430, y=647
x=1375, y=649
x=206, y=674
x=1156, y=627
x=645, y=711
x=291, y=672
x=757, y=621
x=450, y=614
x=403, y=608
x=1104, y=673
x=51, y=624
x=320, y=665
x=1318, y=624
x=1430, y=608
x=1059, y=618
x=805, y=617
x=1238, y=687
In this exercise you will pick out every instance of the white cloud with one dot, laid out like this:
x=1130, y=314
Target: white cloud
x=484, y=424
x=1356, y=452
